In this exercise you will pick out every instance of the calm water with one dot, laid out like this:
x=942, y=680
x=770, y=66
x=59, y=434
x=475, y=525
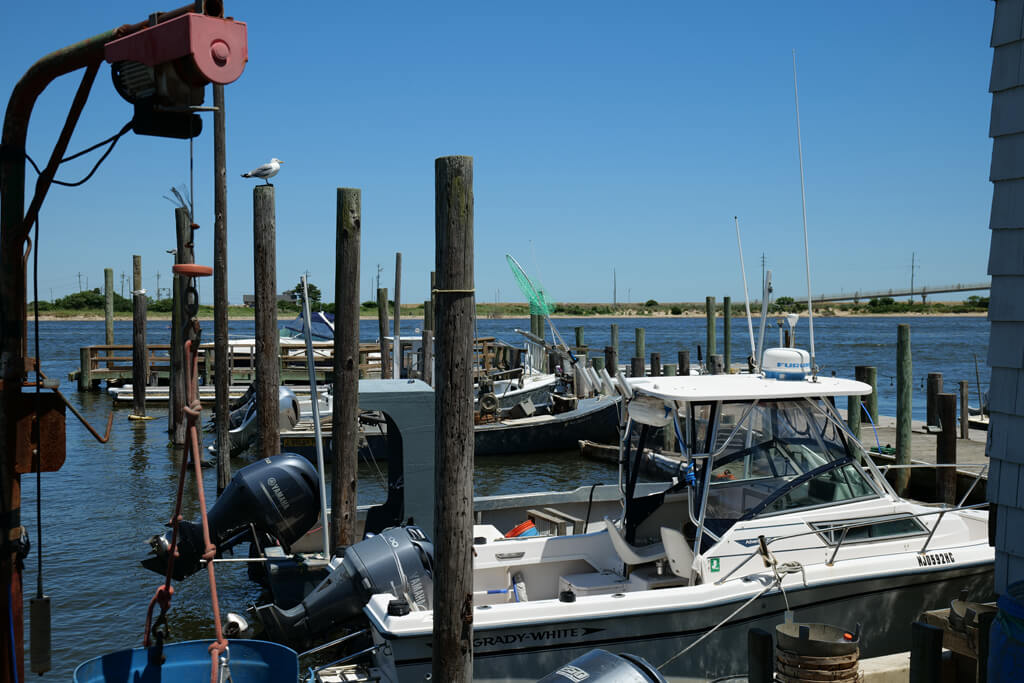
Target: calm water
x=99, y=509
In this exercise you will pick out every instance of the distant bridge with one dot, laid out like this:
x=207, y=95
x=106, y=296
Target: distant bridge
x=922, y=292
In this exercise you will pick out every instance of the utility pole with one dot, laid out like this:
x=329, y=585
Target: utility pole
x=122, y=284
x=379, y=269
x=79, y=281
x=763, y=261
x=158, y=285
x=913, y=265
x=615, y=288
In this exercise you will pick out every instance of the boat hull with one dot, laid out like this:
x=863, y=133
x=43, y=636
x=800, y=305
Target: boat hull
x=885, y=606
x=596, y=419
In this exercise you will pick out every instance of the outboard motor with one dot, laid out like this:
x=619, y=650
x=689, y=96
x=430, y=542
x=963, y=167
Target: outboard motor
x=601, y=666
x=399, y=560
x=278, y=496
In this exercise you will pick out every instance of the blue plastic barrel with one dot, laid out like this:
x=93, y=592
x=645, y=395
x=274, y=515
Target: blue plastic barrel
x=252, y=661
x=1006, y=640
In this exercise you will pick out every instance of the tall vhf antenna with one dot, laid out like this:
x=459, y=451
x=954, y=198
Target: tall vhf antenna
x=746, y=294
x=803, y=204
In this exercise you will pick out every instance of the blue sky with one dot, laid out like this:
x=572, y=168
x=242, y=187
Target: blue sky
x=605, y=136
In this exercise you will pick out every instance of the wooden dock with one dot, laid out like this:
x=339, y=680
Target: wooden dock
x=112, y=363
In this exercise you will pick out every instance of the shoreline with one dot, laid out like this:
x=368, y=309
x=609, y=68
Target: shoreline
x=88, y=317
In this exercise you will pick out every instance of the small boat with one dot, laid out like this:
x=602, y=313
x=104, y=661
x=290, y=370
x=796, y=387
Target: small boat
x=556, y=425
x=777, y=504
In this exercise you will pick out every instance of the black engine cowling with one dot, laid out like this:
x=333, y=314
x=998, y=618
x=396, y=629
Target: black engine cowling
x=601, y=666
x=277, y=497
x=398, y=560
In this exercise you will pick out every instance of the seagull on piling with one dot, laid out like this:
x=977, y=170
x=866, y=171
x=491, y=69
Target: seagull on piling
x=266, y=171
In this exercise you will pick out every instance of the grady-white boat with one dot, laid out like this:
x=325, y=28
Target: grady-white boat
x=777, y=508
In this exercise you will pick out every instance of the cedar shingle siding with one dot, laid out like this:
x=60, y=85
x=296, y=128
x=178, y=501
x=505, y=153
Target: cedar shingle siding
x=1006, y=310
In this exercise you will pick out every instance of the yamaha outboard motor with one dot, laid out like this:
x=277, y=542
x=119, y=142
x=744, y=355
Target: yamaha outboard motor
x=601, y=666
x=278, y=496
x=398, y=560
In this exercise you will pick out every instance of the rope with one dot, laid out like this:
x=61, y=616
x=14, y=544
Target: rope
x=219, y=656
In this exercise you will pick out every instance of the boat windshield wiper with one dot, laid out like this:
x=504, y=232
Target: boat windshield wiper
x=792, y=484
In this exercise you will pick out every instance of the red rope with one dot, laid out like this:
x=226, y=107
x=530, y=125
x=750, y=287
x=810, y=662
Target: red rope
x=165, y=592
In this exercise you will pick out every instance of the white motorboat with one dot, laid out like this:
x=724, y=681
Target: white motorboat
x=777, y=510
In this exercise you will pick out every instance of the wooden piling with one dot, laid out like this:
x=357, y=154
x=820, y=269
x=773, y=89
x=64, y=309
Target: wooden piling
x=709, y=314
x=428, y=315
x=853, y=415
x=345, y=416
x=382, y=329
x=945, y=449
x=222, y=369
x=579, y=337
x=179, y=318
x=108, y=304
x=397, y=374
x=614, y=342
x=934, y=388
x=965, y=432
x=655, y=364
x=925, y=653
x=670, y=369
x=871, y=377
x=904, y=397
x=760, y=656
x=611, y=360
x=428, y=357
x=140, y=356
x=268, y=369
x=598, y=362
x=684, y=362
x=636, y=367
x=452, y=644
x=716, y=364
x=641, y=343
x=727, y=332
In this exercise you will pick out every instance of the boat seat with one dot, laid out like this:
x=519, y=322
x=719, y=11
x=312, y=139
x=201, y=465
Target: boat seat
x=678, y=551
x=632, y=554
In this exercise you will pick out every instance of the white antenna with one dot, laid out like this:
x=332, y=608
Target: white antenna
x=746, y=294
x=803, y=203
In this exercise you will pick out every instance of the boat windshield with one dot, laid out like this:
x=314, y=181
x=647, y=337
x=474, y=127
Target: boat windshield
x=777, y=456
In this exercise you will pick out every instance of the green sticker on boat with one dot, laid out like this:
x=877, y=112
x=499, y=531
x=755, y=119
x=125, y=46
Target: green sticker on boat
x=715, y=564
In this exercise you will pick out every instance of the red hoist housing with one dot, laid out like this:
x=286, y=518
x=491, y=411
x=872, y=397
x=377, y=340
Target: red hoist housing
x=163, y=69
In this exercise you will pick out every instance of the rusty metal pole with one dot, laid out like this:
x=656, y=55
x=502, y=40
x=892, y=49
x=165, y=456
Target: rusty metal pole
x=345, y=444
x=222, y=369
x=13, y=233
x=452, y=646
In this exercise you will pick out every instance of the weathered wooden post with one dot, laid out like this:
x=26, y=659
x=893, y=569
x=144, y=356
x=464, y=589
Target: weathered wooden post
x=428, y=315
x=684, y=362
x=397, y=374
x=597, y=362
x=579, y=336
x=428, y=357
x=934, y=388
x=709, y=314
x=641, y=343
x=611, y=362
x=655, y=364
x=140, y=360
x=636, y=367
x=614, y=341
x=716, y=365
x=965, y=426
x=344, y=419
x=945, y=449
x=452, y=646
x=760, y=656
x=904, y=396
x=727, y=332
x=925, y=653
x=860, y=373
x=853, y=415
x=268, y=360
x=222, y=368
x=108, y=305
x=871, y=377
x=184, y=254
x=382, y=329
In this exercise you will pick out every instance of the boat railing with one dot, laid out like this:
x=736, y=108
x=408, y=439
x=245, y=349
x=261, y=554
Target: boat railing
x=939, y=512
x=982, y=468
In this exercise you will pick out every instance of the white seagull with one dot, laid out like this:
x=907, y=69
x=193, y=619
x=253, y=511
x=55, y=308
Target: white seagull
x=266, y=171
